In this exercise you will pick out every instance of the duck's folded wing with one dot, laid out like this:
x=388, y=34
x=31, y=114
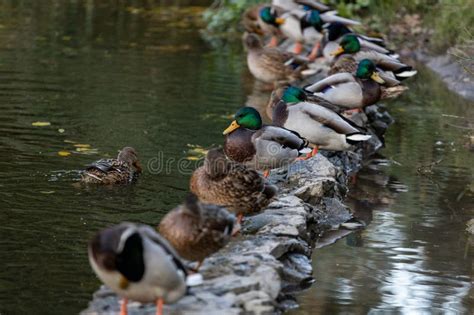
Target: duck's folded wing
x=284, y=137
x=375, y=40
x=334, y=79
x=314, y=4
x=331, y=17
x=158, y=239
x=325, y=103
x=329, y=119
x=365, y=44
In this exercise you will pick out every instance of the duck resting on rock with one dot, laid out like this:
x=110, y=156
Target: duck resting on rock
x=122, y=170
x=350, y=52
x=323, y=128
x=138, y=264
x=197, y=230
x=355, y=91
x=271, y=65
x=220, y=181
x=261, y=146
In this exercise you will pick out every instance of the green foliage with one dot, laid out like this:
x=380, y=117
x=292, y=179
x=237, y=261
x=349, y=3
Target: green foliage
x=224, y=15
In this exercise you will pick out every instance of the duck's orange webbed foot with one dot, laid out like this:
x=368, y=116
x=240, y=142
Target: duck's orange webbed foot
x=123, y=307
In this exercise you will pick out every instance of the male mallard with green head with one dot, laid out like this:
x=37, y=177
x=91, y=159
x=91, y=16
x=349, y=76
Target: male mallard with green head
x=138, y=264
x=355, y=91
x=122, y=170
x=271, y=65
x=350, y=52
x=197, y=230
x=240, y=189
x=323, y=128
x=261, y=146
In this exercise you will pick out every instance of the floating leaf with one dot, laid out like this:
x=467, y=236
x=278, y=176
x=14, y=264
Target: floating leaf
x=82, y=145
x=64, y=153
x=83, y=149
x=47, y=192
x=69, y=141
x=61, y=130
x=192, y=158
x=41, y=123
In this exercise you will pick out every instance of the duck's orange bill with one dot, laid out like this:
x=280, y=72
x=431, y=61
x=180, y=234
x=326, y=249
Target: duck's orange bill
x=338, y=51
x=279, y=21
x=234, y=125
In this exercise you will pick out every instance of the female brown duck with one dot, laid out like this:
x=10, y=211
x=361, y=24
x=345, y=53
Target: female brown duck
x=122, y=170
x=197, y=230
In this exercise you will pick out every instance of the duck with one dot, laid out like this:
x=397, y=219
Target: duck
x=350, y=52
x=197, y=230
x=293, y=94
x=356, y=91
x=122, y=170
x=335, y=31
x=271, y=65
x=306, y=26
x=250, y=19
x=262, y=147
x=323, y=128
x=242, y=190
x=138, y=264
x=290, y=5
x=268, y=21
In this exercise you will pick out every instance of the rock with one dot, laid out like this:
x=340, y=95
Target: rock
x=470, y=226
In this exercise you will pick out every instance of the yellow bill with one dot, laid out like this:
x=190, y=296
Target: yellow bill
x=376, y=77
x=234, y=125
x=337, y=52
x=279, y=21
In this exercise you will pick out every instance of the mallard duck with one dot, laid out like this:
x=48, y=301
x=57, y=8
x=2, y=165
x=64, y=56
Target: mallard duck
x=355, y=91
x=322, y=127
x=269, y=21
x=350, y=52
x=261, y=146
x=122, y=170
x=292, y=94
x=305, y=27
x=271, y=65
x=290, y=5
x=197, y=230
x=226, y=183
x=138, y=264
x=334, y=33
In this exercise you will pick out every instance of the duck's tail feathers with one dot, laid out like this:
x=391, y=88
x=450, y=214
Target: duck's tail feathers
x=194, y=280
x=405, y=73
x=393, y=91
x=304, y=151
x=357, y=137
x=309, y=72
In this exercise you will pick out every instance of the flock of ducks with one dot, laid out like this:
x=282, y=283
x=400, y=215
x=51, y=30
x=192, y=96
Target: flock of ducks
x=145, y=264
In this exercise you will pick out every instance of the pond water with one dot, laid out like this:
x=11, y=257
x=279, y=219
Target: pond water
x=110, y=75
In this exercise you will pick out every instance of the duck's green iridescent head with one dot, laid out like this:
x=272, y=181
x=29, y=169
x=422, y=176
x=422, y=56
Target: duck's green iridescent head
x=247, y=117
x=349, y=44
x=269, y=16
x=293, y=94
x=367, y=70
x=313, y=18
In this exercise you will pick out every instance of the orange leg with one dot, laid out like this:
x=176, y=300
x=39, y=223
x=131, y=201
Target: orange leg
x=315, y=151
x=123, y=307
x=298, y=48
x=309, y=155
x=350, y=112
x=314, y=52
x=273, y=42
x=159, y=306
x=266, y=173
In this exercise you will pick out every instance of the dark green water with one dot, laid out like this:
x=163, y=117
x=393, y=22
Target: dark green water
x=112, y=75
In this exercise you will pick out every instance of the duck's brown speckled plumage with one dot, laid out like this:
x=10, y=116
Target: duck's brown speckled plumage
x=197, y=230
x=271, y=65
x=122, y=170
x=233, y=185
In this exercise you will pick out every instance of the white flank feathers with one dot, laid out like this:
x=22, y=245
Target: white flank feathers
x=406, y=74
x=194, y=279
x=305, y=150
x=359, y=137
